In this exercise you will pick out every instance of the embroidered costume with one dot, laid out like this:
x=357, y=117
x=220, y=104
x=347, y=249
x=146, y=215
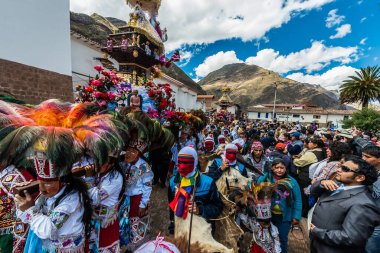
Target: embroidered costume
x=138, y=189
x=59, y=227
x=12, y=232
x=104, y=193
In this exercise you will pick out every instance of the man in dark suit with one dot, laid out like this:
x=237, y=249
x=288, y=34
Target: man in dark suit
x=345, y=214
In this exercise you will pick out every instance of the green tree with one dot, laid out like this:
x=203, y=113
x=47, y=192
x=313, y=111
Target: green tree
x=363, y=87
x=366, y=119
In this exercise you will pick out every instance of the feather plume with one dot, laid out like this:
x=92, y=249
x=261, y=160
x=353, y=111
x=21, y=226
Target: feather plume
x=99, y=136
x=14, y=146
x=49, y=113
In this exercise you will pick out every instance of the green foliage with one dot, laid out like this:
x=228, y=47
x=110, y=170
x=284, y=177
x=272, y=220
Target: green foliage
x=363, y=88
x=367, y=119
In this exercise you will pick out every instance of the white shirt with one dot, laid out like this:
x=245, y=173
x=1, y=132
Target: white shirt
x=56, y=223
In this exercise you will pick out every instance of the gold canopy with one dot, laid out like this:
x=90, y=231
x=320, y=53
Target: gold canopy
x=150, y=6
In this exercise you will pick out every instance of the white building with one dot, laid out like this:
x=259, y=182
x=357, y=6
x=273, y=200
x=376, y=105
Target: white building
x=85, y=54
x=300, y=113
x=35, y=49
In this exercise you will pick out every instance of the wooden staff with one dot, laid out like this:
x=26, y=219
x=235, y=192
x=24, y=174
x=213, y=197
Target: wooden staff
x=191, y=216
x=33, y=187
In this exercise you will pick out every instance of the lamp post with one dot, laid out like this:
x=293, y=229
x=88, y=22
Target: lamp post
x=274, y=102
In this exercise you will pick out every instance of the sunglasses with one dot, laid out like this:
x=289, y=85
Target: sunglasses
x=346, y=169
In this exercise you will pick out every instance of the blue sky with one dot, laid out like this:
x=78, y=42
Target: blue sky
x=314, y=41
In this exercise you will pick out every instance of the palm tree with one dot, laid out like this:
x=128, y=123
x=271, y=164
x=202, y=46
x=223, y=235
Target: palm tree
x=363, y=88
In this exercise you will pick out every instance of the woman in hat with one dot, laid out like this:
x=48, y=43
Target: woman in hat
x=256, y=157
x=285, y=211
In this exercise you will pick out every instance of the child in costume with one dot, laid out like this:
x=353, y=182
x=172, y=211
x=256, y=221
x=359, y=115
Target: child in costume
x=106, y=191
x=139, y=178
x=265, y=234
x=60, y=218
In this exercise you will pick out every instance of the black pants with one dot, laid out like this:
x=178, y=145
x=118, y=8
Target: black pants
x=160, y=170
x=305, y=198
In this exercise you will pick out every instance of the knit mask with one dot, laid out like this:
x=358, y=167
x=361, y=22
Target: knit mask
x=185, y=165
x=231, y=155
x=187, y=161
x=209, y=146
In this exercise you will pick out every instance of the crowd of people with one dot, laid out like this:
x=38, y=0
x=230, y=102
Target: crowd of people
x=275, y=173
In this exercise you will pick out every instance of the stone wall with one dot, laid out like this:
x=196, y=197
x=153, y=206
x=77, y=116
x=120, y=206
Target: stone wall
x=33, y=85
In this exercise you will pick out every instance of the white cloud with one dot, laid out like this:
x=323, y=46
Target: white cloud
x=215, y=62
x=360, y=1
x=333, y=19
x=363, y=19
x=375, y=58
x=341, y=31
x=311, y=59
x=185, y=58
x=200, y=21
x=330, y=80
x=363, y=41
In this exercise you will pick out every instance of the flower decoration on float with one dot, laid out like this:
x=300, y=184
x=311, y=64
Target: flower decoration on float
x=106, y=89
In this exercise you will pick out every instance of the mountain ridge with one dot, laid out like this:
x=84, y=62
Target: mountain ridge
x=252, y=85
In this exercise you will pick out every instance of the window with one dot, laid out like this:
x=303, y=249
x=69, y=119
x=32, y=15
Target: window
x=316, y=116
x=266, y=115
x=258, y=115
x=296, y=115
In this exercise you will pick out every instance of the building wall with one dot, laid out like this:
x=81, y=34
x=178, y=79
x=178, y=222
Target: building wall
x=83, y=60
x=35, y=57
x=36, y=33
x=231, y=109
x=323, y=120
x=33, y=85
x=185, y=98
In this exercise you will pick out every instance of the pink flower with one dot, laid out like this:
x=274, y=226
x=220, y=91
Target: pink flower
x=97, y=94
x=111, y=95
x=88, y=89
x=102, y=103
x=96, y=83
x=98, y=68
x=105, y=73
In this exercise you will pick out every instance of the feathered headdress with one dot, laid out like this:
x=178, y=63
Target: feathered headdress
x=55, y=134
x=145, y=133
x=265, y=192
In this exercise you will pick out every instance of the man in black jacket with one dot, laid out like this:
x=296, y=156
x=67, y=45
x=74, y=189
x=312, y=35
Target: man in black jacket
x=346, y=214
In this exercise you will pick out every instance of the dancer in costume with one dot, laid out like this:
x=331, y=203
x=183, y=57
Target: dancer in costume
x=227, y=162
x=209, y=145
x=265, y=234
x=207, y=201
x=139, y=178
x=12, y=232
x=60, y=218
x=106, y=190
x=182, y=142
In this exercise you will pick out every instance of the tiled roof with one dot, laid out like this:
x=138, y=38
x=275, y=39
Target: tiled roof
x=304, y=111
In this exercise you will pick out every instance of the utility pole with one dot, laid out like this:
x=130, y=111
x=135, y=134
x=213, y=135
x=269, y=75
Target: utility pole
x=274, y=102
